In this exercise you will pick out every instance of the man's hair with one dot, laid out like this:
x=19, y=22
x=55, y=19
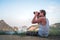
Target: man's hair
x=43, y=11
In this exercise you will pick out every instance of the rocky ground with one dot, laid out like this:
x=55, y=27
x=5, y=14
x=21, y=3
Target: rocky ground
x=17, y=37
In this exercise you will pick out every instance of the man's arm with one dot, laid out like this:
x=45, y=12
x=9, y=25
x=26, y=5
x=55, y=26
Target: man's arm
x=34, y=20
x=35, y=17
x=39, y=20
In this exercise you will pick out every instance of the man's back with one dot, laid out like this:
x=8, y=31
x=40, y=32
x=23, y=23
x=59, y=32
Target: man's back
x=44, y=29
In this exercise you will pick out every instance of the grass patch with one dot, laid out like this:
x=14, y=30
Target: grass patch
x=54, y=31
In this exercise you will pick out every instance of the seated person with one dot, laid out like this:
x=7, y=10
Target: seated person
x=43, y=22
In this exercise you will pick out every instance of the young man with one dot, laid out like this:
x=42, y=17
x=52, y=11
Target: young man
x=43, y=23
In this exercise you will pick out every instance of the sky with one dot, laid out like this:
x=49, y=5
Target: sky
x=20, y=12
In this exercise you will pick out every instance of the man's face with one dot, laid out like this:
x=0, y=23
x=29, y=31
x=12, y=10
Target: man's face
x=41, y=14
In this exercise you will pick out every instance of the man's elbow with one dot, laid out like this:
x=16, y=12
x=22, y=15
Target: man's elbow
x=33, y=22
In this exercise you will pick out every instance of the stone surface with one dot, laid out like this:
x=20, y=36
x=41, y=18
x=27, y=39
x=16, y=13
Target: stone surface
x=17, y=37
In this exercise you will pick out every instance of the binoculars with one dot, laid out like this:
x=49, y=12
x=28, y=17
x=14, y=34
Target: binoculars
x=37, y=15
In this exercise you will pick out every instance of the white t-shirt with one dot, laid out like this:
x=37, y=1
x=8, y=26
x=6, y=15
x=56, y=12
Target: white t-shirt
x=44, y=29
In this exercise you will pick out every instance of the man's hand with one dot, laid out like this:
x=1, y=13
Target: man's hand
x=36, y=13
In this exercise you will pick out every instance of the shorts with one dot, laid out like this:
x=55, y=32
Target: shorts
x=43, y=33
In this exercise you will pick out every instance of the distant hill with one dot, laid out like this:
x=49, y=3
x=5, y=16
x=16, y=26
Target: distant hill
x=57, y=25
x=4, y=26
